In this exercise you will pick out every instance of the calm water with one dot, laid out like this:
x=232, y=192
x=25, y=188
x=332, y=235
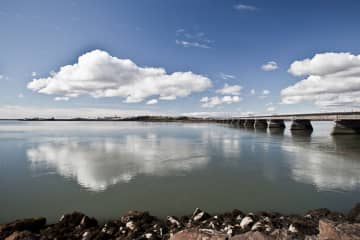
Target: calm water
x=107, y=168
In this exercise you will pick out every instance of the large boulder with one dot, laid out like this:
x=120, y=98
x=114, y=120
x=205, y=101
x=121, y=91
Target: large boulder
x=198, y=234
x=29, y=224
x=354, y=214
x=199, y=215
x=252, y=236
x=72, y=219
x=330, y=230
x=24, y=235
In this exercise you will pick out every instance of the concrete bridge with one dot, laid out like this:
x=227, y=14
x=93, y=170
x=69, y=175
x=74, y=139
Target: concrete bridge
x=345, y=122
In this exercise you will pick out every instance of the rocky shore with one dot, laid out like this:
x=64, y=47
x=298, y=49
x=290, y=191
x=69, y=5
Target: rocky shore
x=321, y=224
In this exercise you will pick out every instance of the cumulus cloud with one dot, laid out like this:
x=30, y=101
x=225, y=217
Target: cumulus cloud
x=270, y=66
x=152, y=102
x=229, y=90
x=244, y=7
x=100, y=75
x=331, y=80
x=34, y=74
x=210, y=102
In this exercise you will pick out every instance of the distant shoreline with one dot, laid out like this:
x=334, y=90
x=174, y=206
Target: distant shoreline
x=115, y=119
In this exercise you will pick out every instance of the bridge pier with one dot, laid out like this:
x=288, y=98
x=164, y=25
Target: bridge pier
x=260, y=124
x=301, y=125
x=249, y=123
x=346, y=127
x=241, y=123
x=277, y=124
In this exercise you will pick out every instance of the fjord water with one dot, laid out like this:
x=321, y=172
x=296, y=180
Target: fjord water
x=107, y=168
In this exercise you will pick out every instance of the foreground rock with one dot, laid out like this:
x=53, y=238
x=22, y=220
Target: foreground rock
x=338, y=231
x=199, y=234
x=318, y=224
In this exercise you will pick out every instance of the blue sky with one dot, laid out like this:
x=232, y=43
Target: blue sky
x=224, y=42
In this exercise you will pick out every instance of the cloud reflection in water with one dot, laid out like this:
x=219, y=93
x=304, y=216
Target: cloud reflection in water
x=326, y=169
x=98, y=164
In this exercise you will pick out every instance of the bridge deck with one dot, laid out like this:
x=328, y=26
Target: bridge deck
x=333, y=116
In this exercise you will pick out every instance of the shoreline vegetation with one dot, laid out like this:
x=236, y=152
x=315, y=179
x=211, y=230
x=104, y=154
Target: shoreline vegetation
x=317, y=224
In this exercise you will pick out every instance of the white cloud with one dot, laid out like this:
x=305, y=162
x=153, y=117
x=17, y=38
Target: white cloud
x=229, y=90
x=100, y=75
x=244, y=7
x=210, y=102
x=61, y=98
x=266, y=92
x=270, y=66
x=205, y=99
x=152, y=102
x=331, y=80
x=189, y=39
x=34, y=74
x=179, y=31
x=218, y=114
x=208, y=114
x=191, y=44
x=231, y=99
x=270, y=109
x=252, y=91
x=226, y=76
x=3, y=77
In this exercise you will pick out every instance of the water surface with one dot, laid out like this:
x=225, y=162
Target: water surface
x=107, y=168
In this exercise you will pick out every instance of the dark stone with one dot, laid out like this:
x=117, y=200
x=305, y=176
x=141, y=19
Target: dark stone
x=320, y=213
x=306, y=226
x=30, y=224
x=199, y=215
x=88, y=222
x=24, y=235
x=354, y=214
x=72, y=219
